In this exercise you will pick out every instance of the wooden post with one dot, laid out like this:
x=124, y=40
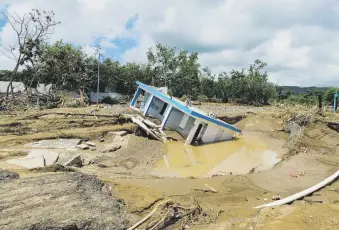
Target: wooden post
x=335, y=102
x=320, y=104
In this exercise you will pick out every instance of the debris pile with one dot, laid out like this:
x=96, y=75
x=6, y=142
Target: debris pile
x=168, y=213
x=50, y=152
x=24, y=100
x=295, y=125
x=148, y=128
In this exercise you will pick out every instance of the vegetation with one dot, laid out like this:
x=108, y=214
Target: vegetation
x=68, y=67
x=32, y=32
x=310, y=97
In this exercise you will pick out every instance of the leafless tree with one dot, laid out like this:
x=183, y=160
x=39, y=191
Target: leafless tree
x=32, y=31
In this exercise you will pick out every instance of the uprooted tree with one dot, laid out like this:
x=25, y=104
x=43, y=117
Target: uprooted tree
x=32, y=32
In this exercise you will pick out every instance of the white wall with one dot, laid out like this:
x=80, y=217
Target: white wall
x=163, y=89
x=155, y=108
x=226, y=136
x=211, y=133
x=20, y=87
x=188, y=127
x=174, y=119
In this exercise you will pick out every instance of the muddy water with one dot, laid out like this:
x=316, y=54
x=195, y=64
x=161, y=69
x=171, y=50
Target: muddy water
x=237, y=157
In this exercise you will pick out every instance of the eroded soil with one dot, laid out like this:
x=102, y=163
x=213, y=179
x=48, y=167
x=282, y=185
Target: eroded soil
x=227, y=199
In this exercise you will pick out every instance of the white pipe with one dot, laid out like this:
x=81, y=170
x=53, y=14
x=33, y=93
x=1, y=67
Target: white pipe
x=304, y=193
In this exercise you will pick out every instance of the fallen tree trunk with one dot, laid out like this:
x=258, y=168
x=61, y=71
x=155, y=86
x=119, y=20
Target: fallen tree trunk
x=148, y=216
x=333, y=125
x=36, y=116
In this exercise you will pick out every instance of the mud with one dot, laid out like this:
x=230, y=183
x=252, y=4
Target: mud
x=260, y=162
x=247, y=153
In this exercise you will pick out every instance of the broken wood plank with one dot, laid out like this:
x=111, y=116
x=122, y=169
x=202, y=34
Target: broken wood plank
x=148, y=122
x=145, y=128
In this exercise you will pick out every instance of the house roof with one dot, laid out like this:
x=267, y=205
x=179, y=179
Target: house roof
x=182, y=107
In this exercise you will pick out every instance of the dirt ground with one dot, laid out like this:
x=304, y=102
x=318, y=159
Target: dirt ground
x=227, y=200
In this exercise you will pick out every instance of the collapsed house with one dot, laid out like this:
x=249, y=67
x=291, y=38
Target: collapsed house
x=194, y=125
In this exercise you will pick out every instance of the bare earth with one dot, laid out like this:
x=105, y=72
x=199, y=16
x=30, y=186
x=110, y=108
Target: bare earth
x=74, y=199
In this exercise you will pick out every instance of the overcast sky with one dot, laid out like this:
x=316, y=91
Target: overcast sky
x=299, y=39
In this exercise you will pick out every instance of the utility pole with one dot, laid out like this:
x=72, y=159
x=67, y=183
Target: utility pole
x=97, y=48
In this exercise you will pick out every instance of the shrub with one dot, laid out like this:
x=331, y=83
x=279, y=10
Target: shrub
x=184, y=98
x=202, y=98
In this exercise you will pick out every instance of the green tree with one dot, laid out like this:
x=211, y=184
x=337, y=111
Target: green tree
x=207, y=82
x=163, y=60
x=32, y=31
x=68, y=67
x=329, y=95
x=177, y=70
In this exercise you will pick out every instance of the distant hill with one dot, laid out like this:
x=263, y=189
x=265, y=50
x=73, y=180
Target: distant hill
x=298, y=90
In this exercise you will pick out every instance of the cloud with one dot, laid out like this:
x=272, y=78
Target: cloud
x=105, y=43
x=297, y=38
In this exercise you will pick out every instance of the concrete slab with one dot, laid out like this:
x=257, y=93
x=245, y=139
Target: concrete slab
x=50, y=157
x=29, y=163
x=69, y=158
x=56, y=144
x=36, y=158
x=75, y=161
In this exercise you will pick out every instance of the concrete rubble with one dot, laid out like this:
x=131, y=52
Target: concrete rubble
x=111, y=148
x=70, y=158
x=91, y=144
x=36, y=158
x=82, y=146
x=63, y=152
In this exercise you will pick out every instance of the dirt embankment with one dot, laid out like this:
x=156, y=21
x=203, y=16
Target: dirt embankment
x=62, y=201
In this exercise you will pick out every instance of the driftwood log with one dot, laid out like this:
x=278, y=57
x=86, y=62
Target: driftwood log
x=333, y=125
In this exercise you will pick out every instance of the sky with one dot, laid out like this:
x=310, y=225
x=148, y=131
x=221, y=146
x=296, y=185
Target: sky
x=298, y=39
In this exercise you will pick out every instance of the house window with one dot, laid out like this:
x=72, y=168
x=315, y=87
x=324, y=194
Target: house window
x=163, y=109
